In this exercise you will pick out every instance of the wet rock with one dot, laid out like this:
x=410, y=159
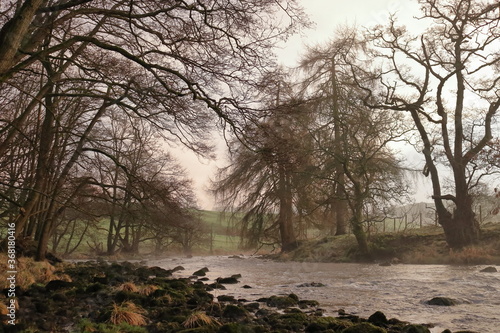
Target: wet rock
x=228, y=280
x=226, y=298
x=364, y=328
x=330, y=324
x=94, y=287
x=254, y=306
x=246, y=286
x=201, y=272
x=58, y=284
x=178, y=268
x=262, y=313
x=234, y=312
x=415, y=329
x=442, y=301
x=281, y=302
x=311, y=284
x=294, y=321
x=489, y=269
x=217, y=285
x=305, y=303
x=159, y=272
x=351, y=317
x=378, y=318
x=316, y=327
x=59, y=297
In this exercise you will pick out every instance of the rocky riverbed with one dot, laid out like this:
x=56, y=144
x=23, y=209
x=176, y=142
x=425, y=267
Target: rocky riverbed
x=127, y=297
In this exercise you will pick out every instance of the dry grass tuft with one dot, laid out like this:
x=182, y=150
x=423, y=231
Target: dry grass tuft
x=129, y=286
x=148, y=289
x=198, y=319
x=30, y=271
x=471, y=255
x=129, y=313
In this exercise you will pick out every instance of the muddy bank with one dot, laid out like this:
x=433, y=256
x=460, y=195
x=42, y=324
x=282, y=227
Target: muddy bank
x=126, y=297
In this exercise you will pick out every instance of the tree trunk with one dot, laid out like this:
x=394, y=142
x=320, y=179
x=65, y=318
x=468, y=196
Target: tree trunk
x=13, y=33
x=357, y=228
x=287, y=234
x=461, y=228
x=340, y=205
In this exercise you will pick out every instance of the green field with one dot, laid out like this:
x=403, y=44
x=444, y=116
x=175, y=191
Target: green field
x=220, y=235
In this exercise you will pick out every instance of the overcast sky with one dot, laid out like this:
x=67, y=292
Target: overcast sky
x=327, y=16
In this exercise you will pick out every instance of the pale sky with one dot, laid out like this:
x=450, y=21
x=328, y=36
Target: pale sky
x=327, y=16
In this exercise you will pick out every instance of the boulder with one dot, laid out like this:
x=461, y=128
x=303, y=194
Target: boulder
x=226, y=298
x=489, y=269
x=201, y=272
x=281, y=302
x=228, y=280
x=378, y=318
x=234, y=312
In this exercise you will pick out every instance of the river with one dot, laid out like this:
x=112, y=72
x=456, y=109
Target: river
x=400, y=291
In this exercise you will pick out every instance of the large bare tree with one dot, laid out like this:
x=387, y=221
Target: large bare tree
x=183, y=66
x=447, y=79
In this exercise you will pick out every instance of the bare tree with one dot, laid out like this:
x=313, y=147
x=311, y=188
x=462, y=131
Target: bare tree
x=448, y=81
x=183, y=66
x=262, y=180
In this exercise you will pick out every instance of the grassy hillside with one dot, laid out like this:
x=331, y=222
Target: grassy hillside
x=425, y=245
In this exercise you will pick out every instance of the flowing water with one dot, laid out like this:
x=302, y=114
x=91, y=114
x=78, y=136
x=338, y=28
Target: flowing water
x=400, y=291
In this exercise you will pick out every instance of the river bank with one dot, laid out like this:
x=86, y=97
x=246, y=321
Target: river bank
x=414, y=246
x=129, y=297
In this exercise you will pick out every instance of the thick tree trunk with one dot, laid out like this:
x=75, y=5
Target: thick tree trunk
x=357, y=229
x=461, y=228
x=13, y=33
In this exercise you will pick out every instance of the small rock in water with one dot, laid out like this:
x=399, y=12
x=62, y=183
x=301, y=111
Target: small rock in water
x=228, y=280
x=489, y=269
x=442, y=301
x=201, y=272
x=311, y=284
